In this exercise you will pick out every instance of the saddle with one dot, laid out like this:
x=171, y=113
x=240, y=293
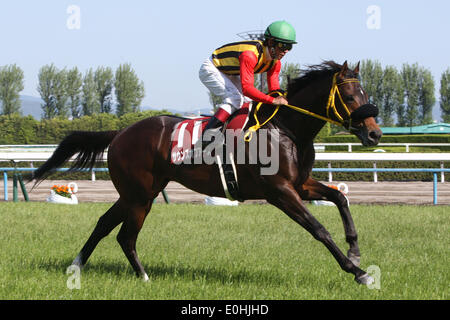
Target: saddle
x=186, y=147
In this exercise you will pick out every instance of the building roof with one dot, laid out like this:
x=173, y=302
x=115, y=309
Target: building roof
x=434, y=128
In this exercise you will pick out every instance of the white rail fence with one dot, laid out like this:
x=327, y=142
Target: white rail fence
x=349, y=145
x=17, y=154
x=32, y=153
x=376, y=157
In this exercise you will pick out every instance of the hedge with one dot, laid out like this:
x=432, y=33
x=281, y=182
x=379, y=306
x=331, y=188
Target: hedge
x=15, y=129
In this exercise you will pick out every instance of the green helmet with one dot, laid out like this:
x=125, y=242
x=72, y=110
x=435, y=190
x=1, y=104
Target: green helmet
x=281, y=31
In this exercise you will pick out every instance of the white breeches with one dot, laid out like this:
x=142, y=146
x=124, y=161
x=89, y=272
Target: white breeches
x=228, y=87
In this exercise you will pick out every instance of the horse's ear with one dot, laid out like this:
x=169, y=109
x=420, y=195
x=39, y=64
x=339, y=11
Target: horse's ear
x=344, y=69
x=356, y=70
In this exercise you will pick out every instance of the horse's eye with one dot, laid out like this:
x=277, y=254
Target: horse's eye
x=349, y=98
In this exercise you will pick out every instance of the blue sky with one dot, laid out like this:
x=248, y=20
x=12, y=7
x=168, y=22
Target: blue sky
x=166, y=41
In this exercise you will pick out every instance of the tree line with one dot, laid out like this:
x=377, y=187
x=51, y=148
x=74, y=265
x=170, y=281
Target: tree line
x=404, y=96
x=67, y=93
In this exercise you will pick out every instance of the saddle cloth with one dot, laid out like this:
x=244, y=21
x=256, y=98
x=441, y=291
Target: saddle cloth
x=187, y=134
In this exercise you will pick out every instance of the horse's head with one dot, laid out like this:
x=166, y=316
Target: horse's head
x=361, y=114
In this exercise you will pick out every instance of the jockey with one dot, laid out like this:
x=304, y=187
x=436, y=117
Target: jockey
x=229, y=72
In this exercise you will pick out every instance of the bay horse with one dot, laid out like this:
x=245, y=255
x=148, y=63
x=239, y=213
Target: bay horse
x=139, y=163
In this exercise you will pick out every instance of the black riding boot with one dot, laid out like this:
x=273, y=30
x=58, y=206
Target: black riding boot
x=212, y=124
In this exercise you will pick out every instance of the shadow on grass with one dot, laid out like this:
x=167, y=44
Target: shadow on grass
x=161, y=271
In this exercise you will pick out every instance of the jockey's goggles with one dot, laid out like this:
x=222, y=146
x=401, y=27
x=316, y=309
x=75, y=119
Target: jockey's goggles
x=283, y=46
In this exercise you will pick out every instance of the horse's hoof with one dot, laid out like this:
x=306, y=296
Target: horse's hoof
x=144, y=277
x=365, y=279
x=78, y=262
x=356, y=260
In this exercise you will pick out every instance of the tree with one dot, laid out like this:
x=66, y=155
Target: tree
x=52, y=87
x=444, y=92
x=47, y=79
x=392, y=96
x=11, y=83
x=260, y=82
x=74, y=89
x=216, y=101
x=409, y=115
x=90, y=102
x=129, y=90
x=426, y=96
x=60, y=93
x=104, y=80
x=372, y=78
x=288, y=72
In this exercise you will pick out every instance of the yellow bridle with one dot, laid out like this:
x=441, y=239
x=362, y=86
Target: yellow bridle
x=331, y=105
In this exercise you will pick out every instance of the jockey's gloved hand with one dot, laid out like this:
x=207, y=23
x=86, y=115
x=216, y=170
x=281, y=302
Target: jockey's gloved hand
x=280, y=101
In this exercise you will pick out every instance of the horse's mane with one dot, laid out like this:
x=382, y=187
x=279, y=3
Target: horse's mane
x=312, y=73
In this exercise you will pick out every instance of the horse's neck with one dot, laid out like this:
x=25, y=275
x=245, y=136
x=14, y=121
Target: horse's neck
x=313, y=98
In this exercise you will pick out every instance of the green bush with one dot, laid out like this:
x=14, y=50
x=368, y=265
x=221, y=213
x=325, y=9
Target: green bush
x=15, y=129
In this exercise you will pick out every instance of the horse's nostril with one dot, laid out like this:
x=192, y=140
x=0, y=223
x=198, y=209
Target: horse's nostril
x=375, y=135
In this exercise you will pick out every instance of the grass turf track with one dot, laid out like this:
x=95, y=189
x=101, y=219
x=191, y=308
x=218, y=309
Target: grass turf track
x=202, y=252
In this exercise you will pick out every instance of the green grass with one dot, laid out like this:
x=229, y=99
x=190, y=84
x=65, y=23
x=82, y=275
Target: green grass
x=244, y=252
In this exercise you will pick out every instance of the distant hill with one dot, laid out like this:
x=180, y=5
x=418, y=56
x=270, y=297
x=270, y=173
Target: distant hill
x=31, y=106
x=437, y=112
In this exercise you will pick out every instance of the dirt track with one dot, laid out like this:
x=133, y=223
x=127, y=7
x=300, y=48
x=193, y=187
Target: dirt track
x=359, y=192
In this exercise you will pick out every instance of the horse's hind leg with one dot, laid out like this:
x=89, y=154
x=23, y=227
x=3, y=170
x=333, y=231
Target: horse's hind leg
x=128, y=235
x=314, y=190
x=113, y=217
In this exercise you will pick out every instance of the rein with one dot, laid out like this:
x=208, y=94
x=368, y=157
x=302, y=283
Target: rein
x=331, y=105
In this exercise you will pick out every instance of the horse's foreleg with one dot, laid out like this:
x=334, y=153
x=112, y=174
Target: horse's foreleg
x=113, y=217
x=286, y=198
x=128, y=234
x=314, y=190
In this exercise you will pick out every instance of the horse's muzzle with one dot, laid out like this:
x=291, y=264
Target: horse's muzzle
x=368, y=137
x=374, y=136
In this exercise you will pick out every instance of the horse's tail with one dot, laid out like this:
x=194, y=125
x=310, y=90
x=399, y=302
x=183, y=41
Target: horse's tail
x=90, y=147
